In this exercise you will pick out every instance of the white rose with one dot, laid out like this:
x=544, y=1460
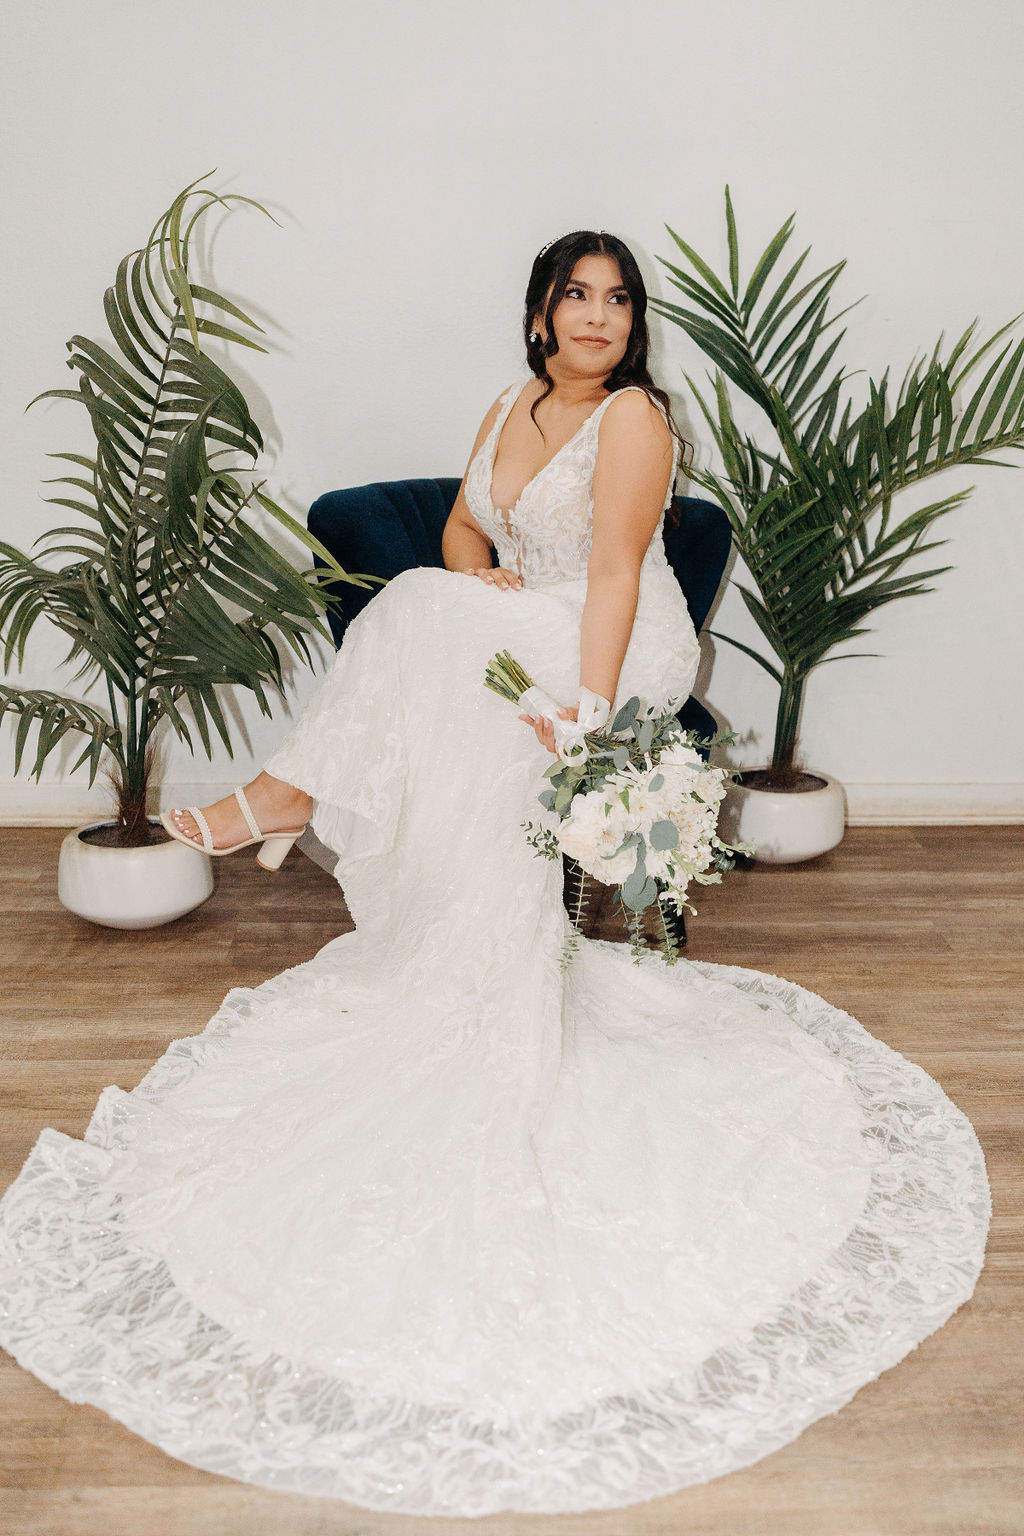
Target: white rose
x=592, y=831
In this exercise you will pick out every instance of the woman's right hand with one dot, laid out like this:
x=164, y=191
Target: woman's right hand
x=496, y=575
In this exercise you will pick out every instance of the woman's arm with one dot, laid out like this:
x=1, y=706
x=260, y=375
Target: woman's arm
x=464, y=545
x=631, y=479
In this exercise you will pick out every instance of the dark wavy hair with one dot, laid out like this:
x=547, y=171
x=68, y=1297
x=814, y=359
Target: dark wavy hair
x=549, y=278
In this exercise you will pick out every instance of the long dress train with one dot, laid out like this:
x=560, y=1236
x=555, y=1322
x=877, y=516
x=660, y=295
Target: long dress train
x=429, y=1224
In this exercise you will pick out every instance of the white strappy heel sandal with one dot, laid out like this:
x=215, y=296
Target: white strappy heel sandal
x=275, y=844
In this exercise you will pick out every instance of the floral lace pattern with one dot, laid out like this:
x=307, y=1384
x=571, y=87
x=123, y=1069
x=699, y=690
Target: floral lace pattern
x=427, y=1224
x=549, y=541
x=548, y=544
x=550, y=538
x=97, y=1315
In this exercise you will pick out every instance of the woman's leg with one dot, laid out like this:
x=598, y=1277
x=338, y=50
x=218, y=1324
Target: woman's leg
x=277, y=807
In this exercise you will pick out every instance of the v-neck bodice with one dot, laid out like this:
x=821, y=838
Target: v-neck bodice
x=504, y=414
x=545, y=537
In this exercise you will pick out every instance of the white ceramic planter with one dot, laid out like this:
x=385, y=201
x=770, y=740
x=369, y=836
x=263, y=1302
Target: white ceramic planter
x=131, y=887
x=786, y=828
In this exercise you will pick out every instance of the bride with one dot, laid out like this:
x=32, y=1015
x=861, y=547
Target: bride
x=429, y=1223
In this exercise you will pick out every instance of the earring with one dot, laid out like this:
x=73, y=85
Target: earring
x=534, y=338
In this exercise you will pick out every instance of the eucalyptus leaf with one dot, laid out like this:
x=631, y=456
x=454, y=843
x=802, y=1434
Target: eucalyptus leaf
x=563, y=799
x=663, y=834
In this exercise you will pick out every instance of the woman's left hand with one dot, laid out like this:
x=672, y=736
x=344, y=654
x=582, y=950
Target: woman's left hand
x=545, y=731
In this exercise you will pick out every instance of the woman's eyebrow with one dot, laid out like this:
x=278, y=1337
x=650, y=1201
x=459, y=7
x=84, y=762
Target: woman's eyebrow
x=578, y=283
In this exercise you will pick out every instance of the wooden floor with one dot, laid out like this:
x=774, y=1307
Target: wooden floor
x=916, y=931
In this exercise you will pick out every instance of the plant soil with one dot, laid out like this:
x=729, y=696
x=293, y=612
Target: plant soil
x=801, y=783
x=109, y=835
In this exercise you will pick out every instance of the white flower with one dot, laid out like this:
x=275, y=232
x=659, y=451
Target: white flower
x=596, y=826
x=681, y=754
x=688, y=794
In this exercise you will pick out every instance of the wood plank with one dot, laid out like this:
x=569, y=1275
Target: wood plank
x=916, y=931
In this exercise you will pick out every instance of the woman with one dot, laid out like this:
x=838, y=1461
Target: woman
x=429, y=1223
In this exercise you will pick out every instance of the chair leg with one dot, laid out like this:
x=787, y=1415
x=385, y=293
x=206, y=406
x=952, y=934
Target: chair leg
x=572, y=876
x=677, y=923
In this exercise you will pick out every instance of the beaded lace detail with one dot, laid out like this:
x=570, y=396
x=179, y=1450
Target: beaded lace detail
x=546, y=535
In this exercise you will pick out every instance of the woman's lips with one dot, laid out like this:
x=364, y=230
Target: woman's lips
x=592, y=341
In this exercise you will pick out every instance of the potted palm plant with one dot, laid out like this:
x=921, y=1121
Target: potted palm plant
x=810, y=499
x=166, y=591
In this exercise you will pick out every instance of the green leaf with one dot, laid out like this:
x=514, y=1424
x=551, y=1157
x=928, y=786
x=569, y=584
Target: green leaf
x=207, y=296
x=626, y=714
x=1000, y=390
x=182, y=290
x=764, y=267
x=772, y=304
x=212, y=328
x=734, y=253
x=772, y=671
x=973, y=361
x=707, y=300
x=663, y=834
x=125, y=329
x=701, y=266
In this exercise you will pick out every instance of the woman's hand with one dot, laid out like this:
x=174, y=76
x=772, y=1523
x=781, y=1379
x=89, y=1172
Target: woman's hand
x=497, y=575
x=543, y=728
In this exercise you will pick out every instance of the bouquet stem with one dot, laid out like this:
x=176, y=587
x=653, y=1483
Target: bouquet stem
x=505, y=676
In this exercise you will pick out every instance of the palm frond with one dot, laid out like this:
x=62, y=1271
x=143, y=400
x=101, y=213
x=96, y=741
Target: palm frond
x=167, y=588
x=55, y=715
x=811, y=512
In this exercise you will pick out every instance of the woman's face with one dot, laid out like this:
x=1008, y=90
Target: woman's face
x=592, y=320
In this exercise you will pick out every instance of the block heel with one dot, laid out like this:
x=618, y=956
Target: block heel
x=275, y=850
x=274, y=846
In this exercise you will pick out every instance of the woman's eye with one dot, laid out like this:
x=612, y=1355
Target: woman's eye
x=574, y=292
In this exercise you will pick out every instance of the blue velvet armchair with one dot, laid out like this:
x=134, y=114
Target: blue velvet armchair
x=390, y=525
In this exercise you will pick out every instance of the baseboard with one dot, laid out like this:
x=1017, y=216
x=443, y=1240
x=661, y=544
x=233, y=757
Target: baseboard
x=26, y=804
x=933, y=804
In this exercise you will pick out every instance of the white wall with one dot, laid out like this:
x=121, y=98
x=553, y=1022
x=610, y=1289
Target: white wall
x=418, y=155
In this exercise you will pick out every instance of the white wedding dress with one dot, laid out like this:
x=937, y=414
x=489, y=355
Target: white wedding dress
x=429, y=1224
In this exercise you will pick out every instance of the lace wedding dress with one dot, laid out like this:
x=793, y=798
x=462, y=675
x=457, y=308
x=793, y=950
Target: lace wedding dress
x=428, y=1224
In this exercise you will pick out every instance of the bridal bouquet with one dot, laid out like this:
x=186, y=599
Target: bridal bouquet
x=636, y=807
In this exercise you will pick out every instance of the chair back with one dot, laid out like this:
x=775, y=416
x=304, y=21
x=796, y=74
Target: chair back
x=390, y=525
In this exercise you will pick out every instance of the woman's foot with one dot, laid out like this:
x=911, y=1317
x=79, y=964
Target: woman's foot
x=277, y=807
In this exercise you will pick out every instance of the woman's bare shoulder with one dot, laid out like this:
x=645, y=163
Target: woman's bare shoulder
x=634, y=413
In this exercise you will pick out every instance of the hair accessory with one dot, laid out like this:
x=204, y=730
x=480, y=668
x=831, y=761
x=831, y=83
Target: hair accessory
x=565, y=236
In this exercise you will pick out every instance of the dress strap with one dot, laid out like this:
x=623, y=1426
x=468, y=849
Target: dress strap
x=512, y=394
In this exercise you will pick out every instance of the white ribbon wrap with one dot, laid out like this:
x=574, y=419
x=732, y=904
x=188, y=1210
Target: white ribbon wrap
x=592, y=713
